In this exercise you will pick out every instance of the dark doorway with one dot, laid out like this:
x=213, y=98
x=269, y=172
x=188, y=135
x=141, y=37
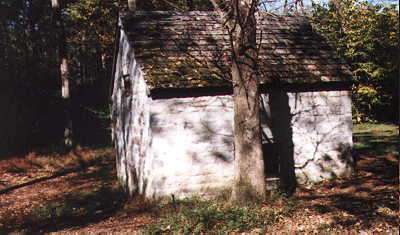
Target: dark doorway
x=278, y=147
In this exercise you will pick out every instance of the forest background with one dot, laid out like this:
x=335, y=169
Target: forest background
x=365, y=34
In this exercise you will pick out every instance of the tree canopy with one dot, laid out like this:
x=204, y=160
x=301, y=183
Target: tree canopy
x=365, y=33
x=367, y=36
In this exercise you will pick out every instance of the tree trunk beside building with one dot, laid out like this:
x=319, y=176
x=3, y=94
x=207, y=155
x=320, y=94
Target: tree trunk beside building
x=249, y=181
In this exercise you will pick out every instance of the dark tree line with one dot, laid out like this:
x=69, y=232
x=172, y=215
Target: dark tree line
x=33, y=107
x=31, y=101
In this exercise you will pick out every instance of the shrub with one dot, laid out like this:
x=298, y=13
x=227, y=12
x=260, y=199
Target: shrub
x=198, y=216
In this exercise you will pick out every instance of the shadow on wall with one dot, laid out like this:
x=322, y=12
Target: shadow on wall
x=279, y=118
x=212, y=134
x=192, y=138
x=279, y=151
x=328, y=164
x=206, y=125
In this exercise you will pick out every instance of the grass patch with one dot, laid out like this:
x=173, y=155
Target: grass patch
x=198, y=216
x=375, y=129
x=376, y=139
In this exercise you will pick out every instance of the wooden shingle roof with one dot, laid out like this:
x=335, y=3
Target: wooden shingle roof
x=191, y=49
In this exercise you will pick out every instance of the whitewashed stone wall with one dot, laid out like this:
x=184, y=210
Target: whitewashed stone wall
x=192, y=141
x=131, y=116
x=322, y=135
x=184, y=146
x=191, y=146
x=320, y=129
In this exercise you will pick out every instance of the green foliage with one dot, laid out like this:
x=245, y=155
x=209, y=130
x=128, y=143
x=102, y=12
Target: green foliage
x=366, y=35
x=196, y=216
x=91, y=26
x=77, y=205
x=182, y=72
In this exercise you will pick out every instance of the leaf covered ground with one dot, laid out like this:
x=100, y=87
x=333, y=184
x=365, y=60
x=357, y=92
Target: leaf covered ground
x=44, y=192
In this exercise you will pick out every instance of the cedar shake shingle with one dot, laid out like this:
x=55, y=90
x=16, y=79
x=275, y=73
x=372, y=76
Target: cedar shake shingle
x=191, y=49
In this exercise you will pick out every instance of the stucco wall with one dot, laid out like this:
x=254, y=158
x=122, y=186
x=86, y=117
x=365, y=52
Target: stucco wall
x=314, y=129
x=191, y=145
x=130, y=120
x=192, y=142
x=188, y=146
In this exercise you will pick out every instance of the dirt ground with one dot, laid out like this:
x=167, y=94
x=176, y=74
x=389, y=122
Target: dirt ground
x=77, y=192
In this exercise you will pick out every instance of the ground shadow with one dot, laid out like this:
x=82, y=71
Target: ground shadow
x=370, y=195
x=88, y=204
x=82, y=165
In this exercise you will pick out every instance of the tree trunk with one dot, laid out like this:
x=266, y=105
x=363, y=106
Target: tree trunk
x=249, y=181
x=249, y=164
x=132, y=5
x=64, y=72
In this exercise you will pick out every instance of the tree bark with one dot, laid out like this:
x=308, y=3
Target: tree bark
x=64, y=72
x=249, y=180
x=132, y=5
